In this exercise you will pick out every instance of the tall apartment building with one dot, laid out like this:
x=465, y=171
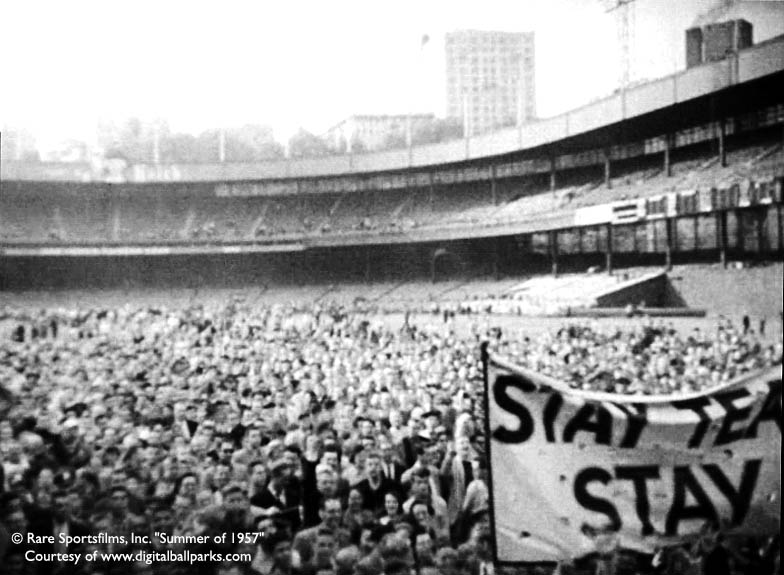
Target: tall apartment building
x=490, y=78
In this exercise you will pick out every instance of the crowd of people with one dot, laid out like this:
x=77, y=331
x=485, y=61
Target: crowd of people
x=326, y=433
x=652, y=359
x=316, y=440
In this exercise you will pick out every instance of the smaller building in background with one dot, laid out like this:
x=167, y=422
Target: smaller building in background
x=367, y=132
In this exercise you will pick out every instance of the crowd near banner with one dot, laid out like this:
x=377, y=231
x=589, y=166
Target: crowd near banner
x=566, y=465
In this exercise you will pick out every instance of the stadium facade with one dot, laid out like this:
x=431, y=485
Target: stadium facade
x=688, y=166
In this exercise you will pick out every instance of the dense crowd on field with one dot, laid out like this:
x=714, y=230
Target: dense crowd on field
x=651, y=359
x=321, y=440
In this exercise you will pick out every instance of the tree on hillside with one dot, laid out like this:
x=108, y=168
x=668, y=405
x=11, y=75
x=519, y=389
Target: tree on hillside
x=393, y=141
x=179, y=149
x=438, y=130
x=133, y=139
x=252, y=143
x=303, y=144
x=209, y=146
x=358, y=146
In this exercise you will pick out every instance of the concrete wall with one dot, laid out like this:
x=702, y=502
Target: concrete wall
x=756, y=291
x=649, y=289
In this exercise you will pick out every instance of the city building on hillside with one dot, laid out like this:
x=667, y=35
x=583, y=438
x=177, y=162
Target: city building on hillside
x=367, y=132
x=490, y=79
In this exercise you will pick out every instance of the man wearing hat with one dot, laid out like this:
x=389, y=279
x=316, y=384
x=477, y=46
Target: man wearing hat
x=279, y=498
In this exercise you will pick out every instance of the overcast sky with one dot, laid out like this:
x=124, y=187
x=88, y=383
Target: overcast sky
x=68, y=64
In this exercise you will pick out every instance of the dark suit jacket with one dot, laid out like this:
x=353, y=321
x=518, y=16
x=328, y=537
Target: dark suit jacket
x=290, y=509
x=75, y=529
x=397, y=472
x=374, y=499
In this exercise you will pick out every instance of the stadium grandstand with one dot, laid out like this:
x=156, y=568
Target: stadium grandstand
x=317, y=365
x=690, y=163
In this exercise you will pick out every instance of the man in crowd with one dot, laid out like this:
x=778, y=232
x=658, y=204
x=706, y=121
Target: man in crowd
x=278, y=498
x=331, y=514
x=376, y=484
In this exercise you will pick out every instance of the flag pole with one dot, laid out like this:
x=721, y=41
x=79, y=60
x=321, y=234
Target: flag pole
x=409, y=120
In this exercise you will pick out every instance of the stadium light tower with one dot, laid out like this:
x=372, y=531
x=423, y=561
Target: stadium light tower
x=624, y=10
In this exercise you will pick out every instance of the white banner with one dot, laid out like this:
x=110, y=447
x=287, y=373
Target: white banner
x=566, y=463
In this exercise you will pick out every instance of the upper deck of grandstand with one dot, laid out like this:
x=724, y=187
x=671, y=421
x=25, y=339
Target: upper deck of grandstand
x=73, y=214
x=703, y=94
